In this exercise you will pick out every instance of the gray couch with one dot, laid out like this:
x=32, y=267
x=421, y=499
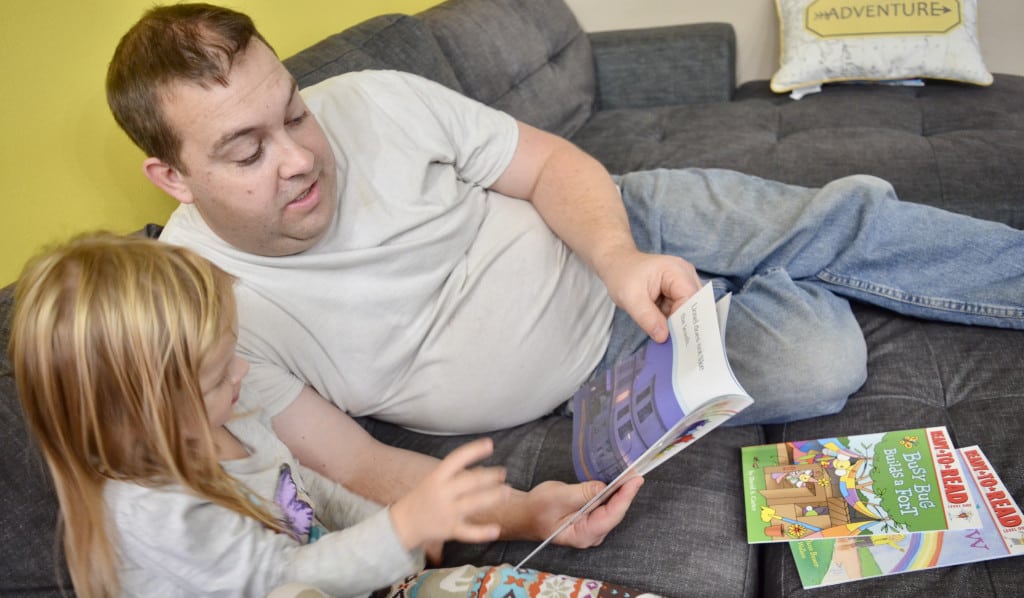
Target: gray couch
x=666, y=97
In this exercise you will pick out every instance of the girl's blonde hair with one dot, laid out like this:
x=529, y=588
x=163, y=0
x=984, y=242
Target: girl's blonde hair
x=108, y=337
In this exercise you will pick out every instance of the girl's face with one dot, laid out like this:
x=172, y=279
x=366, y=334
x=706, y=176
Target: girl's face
x=220, y=378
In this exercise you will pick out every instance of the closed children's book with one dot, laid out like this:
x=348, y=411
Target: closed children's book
x=880, y=484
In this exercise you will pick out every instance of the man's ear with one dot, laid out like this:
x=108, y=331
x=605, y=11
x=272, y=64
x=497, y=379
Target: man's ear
x=168, y=178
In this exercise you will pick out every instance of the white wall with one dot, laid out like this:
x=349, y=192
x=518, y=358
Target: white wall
x=1000, y=27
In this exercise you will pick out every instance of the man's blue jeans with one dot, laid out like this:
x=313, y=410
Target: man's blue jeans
x=792, y=256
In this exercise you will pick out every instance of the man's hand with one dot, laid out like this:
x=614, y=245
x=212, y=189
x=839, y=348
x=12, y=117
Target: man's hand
x=547, y=506
x=648, y=287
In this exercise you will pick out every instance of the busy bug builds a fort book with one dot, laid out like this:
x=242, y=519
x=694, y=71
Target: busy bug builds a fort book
x=870, y=484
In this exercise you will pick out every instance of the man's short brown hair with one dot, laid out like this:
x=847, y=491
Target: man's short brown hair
x=195, y=43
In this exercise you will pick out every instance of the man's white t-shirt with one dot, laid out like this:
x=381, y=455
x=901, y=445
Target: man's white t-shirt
x=431, y=302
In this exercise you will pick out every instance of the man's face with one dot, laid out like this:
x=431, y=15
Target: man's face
x=260, y=170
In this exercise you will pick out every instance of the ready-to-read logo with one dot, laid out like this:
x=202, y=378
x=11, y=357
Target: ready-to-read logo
x=845, y=18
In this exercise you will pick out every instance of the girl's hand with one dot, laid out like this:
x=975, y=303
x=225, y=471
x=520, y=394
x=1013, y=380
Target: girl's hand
x=442, y=506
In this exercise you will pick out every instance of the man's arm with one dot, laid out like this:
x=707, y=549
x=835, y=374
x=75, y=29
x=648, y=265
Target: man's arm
x=579, y=201
x=327, y=440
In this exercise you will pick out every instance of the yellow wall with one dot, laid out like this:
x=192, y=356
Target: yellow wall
x=65, y=165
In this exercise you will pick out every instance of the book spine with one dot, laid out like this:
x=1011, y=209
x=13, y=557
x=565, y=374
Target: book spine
x=956, y=498
x=997, y=499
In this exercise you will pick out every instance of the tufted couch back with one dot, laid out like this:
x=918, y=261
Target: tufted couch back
x=530, y=59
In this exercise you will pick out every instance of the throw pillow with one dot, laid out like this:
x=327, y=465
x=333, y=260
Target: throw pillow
x=824, y=41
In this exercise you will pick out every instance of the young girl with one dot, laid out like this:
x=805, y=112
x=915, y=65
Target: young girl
x=124, y=356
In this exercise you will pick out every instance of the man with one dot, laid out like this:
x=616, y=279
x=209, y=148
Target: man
x=413, y=257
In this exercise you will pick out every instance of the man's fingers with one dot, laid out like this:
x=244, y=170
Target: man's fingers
x=656, y=326
x=680, y=284
x=603, y=519
x=644, y=310
x=619, y=502
x=592, y=529
x=623, y=497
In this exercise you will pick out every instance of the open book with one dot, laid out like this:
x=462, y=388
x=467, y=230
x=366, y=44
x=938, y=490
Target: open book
x=832, y=561
x=634, y=416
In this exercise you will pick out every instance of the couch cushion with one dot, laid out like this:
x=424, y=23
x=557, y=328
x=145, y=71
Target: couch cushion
x=385, y=42
x=530, y=59
x=954, y=146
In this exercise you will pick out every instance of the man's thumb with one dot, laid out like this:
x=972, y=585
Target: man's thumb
x=657, y=328
x=648, y=317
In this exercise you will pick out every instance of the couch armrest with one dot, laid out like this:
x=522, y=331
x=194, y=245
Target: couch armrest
x=660, y=66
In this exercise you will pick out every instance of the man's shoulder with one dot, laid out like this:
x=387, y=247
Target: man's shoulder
x=358, y=79
x=376, y=87
x=184, y=226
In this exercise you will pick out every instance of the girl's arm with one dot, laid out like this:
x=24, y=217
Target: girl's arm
x=175, y=543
